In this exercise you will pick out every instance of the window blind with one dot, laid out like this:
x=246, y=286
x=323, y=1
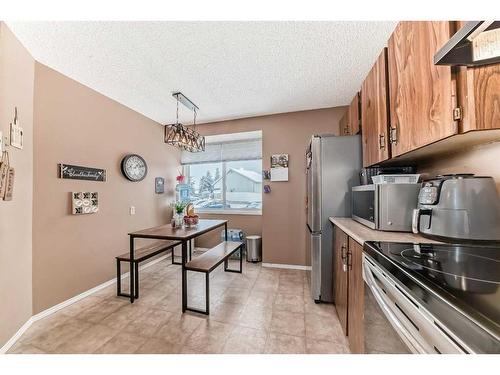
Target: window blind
x=227, y=147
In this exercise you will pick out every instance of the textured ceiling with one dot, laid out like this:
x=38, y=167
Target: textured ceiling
x=229, y=69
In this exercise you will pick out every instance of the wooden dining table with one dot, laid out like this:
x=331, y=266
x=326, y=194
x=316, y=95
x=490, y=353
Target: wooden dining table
x=182, y=234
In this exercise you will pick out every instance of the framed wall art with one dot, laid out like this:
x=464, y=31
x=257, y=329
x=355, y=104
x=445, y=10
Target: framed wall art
x=279, y=167
x=84, y=202
x=159, y=185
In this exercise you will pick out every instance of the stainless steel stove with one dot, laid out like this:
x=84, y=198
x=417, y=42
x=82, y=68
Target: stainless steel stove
x=450, y=294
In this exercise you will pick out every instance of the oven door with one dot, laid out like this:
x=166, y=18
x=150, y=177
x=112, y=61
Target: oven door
x=383, y=332
x=395, y=322
x=364, y=205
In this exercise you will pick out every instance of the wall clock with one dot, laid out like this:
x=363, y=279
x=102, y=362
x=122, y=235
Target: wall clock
x=134, y=167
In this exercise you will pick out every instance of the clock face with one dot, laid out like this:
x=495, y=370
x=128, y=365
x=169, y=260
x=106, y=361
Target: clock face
x=134, y=167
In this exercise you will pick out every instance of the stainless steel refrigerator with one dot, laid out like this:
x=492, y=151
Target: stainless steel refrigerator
x=333, y=165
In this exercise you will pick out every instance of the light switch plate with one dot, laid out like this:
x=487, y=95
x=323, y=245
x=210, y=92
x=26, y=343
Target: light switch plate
x=132, y=210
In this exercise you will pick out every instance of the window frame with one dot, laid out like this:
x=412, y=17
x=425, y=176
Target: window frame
x=224, y=211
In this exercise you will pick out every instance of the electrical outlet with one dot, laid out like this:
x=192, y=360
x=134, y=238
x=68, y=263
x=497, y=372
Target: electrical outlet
x=132, y=210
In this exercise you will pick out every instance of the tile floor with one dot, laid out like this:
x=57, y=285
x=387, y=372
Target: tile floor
x=263, y=310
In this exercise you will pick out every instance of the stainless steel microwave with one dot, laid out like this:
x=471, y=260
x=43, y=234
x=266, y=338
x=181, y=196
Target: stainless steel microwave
x=386, y=207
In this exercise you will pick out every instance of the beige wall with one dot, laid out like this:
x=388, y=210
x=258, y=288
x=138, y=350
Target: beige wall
x=16, y=89
x=76, y=125
x=482, y=160
x=283, y=220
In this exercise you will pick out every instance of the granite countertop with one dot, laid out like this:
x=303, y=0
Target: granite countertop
x=361, y=233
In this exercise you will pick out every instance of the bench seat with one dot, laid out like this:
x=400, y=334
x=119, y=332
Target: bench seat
x=141, y=254
x=149, y=250
x=210, y=259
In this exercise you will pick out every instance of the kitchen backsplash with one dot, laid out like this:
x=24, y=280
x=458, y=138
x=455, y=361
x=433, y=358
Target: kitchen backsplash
x=481, y=160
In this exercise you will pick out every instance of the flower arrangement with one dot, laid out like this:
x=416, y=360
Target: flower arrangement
x=179, y=207
x=180, y=178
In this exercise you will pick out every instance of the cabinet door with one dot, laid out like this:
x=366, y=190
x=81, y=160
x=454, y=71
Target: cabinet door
x=374, y=113
x=422, y=95
x=478, y=90
x=340, y=275
x=343, y=124
x=355, y=304
x=353, y=117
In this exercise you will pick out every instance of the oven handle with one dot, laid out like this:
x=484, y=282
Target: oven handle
x=382, y=299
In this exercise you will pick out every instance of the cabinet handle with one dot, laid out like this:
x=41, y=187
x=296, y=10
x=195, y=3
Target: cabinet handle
x=394, y=135
x=343, y=255
x=349, y=264
x=381, y=141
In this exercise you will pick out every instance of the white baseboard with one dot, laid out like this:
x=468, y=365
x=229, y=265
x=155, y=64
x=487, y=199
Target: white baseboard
x=286, y=266
x=16, y=336
x=62, y=305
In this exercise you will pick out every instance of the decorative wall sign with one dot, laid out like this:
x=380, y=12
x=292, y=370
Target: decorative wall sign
x=266, y=174
x=279, y=167
x=16, y=133
x=75, y=172
x=134, y=167
x=159, y=185
x=9, y=189
x=84, y=202
x=267, y=189
x=4, y=173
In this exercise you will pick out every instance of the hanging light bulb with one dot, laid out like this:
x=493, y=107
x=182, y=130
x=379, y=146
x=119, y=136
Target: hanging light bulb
x=181, y=136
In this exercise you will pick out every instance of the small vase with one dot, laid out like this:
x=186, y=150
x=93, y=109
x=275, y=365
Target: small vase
x=179, y=219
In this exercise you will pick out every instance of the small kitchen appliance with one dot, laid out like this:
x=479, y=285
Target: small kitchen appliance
x=386, y=207
x=458, y=207
x=366, y=174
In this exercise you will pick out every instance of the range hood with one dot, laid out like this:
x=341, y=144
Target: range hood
x=476, y=43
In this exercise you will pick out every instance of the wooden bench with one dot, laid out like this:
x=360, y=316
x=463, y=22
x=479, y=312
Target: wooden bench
x=141, y=254
x=210, y=260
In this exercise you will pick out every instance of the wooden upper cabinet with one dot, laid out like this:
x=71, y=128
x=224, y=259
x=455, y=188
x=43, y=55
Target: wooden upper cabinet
x=344, y=129
x=374, y=113
x=349, y=123
x=353, y=117
x=422, y=95
x=479, y=95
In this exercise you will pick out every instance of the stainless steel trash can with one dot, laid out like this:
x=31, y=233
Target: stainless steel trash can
x=254, y=248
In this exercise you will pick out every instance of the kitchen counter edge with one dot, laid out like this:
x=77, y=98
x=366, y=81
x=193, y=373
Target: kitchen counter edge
x=361, y=233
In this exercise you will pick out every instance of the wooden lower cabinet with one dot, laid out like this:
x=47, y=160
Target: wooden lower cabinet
x=349, y=288
x=340, y=243
x=355, y=310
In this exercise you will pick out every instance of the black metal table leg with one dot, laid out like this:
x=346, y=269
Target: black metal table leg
x=207, y=296
x=241, y=259
x=184, y=276
x=190, y=251
x=132, y=269
x=136, y=272
x=118, y=278
x=225, y=230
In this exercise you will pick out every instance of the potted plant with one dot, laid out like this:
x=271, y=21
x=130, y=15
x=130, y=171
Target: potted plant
x=179, y=212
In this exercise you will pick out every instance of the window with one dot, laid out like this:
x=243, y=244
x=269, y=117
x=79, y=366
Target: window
x=228, y=175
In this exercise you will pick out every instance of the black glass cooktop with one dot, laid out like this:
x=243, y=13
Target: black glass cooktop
x=467, y=277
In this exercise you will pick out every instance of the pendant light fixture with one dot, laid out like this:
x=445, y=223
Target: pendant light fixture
x=181, y=136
